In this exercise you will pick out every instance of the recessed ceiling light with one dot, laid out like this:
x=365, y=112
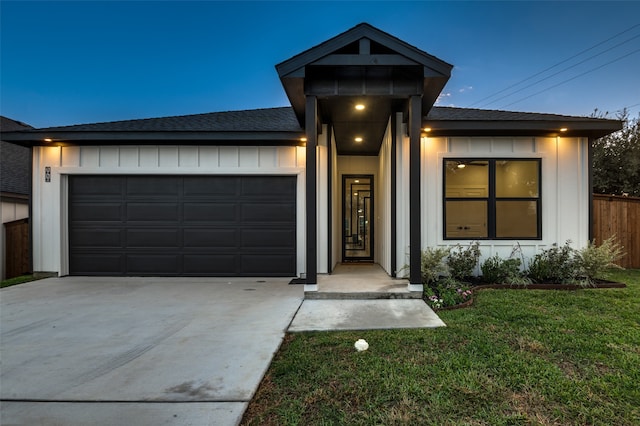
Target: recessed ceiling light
x=358, y=139
x=427, y=129
x=48, y=140
x=303, y=139
x=360, y=107
x=563, y=129
x=462, y=166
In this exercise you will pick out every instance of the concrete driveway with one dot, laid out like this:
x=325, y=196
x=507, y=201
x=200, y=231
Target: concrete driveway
x=144, y=351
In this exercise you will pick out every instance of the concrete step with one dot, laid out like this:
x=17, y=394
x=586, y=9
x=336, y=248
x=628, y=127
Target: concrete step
x=361, y=295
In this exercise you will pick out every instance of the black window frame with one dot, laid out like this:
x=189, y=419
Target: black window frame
x=491, y=198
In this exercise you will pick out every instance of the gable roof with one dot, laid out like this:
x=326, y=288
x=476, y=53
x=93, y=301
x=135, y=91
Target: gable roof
x=363, y=47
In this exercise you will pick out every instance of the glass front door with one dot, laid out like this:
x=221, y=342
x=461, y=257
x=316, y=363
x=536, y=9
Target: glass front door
x=357, y=214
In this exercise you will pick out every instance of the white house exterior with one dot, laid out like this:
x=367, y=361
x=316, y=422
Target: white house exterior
x=177, y=195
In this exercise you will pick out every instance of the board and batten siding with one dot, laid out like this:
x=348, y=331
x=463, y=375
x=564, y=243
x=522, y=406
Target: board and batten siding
x=564, y=190
x=50, y=199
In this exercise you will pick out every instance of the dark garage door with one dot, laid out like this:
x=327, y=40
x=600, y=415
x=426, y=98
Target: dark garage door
x=182, y=225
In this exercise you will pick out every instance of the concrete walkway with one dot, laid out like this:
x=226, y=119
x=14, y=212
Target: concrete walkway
x=325, y=315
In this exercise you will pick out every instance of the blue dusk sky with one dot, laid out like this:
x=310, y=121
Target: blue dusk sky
x=86, y=61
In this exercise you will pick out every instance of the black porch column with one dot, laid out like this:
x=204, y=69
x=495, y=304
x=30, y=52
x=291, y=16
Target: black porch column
x=415, y=232
x=311, y=128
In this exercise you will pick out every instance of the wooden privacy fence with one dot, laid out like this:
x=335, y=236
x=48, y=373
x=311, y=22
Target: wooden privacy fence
x=17, y=248
x=619, y=216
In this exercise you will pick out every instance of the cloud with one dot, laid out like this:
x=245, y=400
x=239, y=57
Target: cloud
x=465, y=89
x=442, y=97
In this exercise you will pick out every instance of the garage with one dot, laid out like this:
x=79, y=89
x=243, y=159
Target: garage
x=141, y=225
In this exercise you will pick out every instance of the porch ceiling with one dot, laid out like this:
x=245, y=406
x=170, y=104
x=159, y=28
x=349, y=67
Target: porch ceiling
x=350, y=123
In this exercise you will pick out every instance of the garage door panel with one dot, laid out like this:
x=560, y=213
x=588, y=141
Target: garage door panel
x=211, y=264
x=96, y=186
x=182, y=225
x=96, y=238
x=157, y=186
x=268, y=238
x=153, y=264
x=149, y=212
x=265, y=212
x=97, y=263
x=275, y=186
x=211, y=238
x=211, y=212
x=266, y=264
x=97, y=211
x=155, y=238
x=211, y=186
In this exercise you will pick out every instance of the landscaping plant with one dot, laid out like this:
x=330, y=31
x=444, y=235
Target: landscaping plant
x=555, y=265
x=433, y=265
x=595, y=260
x=496, y=270
x=462, y=261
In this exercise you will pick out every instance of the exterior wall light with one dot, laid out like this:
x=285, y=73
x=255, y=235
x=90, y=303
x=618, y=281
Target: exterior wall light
x=358, y=139
x=360, y=107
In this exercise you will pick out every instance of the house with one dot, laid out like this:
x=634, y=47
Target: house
x=360, y=168
x=15, y=182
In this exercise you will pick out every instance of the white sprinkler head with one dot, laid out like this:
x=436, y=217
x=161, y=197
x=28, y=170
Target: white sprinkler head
x=361, y=345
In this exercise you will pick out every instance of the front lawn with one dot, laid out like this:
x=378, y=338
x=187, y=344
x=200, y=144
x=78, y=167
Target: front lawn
x=516, y=357
x=17, y=280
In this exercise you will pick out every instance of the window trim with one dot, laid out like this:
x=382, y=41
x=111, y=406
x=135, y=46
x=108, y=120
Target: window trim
x=491, y=199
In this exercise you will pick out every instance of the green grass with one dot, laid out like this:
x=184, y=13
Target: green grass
x=516, y=357
x=17, y=280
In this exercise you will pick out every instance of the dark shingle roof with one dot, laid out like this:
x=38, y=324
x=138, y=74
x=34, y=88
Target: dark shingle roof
x=256, y=120
x=473, y=114
x=9, y=125
x=279, y=125
x=15, y=173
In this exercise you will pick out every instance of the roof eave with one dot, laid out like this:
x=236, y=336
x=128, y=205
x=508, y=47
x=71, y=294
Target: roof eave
x=591, y=129
x=44, y=138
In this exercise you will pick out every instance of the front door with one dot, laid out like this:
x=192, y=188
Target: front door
x=357, y=215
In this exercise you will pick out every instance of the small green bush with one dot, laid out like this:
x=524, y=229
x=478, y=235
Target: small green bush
x=462, y=261
x=447, y=292
x=555, y=265
x=433, y=265
x=496, y=270
x=595, y=260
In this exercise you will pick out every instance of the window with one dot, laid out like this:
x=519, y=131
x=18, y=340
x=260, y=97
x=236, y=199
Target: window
x=492, y=199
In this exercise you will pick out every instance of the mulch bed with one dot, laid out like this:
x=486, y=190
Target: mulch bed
x=549, y=286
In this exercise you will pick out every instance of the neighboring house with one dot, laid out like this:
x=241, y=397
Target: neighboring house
x=15, y=181
x=362, y=167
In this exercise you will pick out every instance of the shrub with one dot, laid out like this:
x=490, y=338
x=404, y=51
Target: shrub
x=496, y=270
x=447, y=292
x=556, y=265
x=594, y=260
x=432, y=264
x=462, y=261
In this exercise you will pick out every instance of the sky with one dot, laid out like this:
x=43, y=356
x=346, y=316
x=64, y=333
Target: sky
x=64, y=63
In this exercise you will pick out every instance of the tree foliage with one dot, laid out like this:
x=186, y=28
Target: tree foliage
x=616, y=159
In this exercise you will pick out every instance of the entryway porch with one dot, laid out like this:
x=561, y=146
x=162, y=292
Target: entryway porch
x=361, y=281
